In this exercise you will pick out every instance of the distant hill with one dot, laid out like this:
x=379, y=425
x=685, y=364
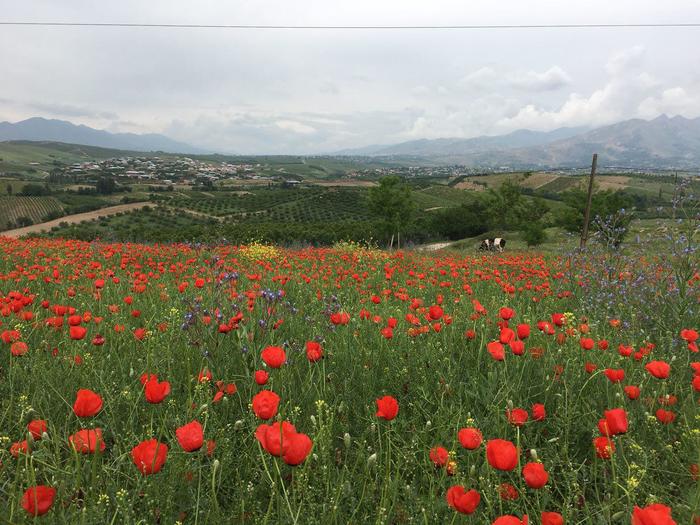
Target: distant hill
x=455, y=146
x=660, y=143
x=41, y=129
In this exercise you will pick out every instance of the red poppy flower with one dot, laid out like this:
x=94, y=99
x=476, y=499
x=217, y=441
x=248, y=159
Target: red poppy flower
x=506, y=336
x=87, y=403
x=462, y=500
x=659, y=369
x=38, y=500
x=274, y=438
x=261, y=377
x=190, y=436
x=586, y=343
x=655, y=514
x=77, y=332
x=501, y=454
x=665, y=416
x=470, y=438
x=689, y=335
x=147, y=377
x=604, y=447
x=506, y=313
x=19, y=348
x=435, y=312
x=517, y=347
x=535, y=475
x=538, y=412
x=36, y=428
x=523, y=331
x=625, y=351
x=511, y=520
x=265, y=404
x=19, y=447
x=632, y=392
x=10, y=336
x=274, y=356
x=616, y=420
x=298, y=448
x=387, y=408
x=340, y=318
x=149, y=456
x=314, y=352
x=156, y=391
x=552, y=518
x=496, y=350
x=86, y=441
x=439, y=456
x=517, y=416
x=615, y=375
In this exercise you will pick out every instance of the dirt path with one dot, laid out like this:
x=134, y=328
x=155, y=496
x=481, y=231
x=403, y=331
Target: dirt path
x=72, y=219
x=434, y=246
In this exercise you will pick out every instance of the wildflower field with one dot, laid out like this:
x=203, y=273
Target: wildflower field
x=222, y=384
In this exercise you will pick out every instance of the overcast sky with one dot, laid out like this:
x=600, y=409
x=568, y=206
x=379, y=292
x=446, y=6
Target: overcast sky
x=314, y=91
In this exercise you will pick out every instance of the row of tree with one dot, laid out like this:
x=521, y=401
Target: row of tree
x=503, y=209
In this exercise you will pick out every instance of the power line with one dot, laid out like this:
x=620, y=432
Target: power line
x=350, y=27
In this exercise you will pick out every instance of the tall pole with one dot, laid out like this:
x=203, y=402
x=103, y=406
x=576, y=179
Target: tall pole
x=587, y=216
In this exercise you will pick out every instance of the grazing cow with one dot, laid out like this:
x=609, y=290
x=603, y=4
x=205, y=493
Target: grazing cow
x=493, y=245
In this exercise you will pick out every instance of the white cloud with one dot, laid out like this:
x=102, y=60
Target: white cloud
x=489, y=78
x=628, y=92
x=672, y=102
x=296, y=127
x=625, y=60
x=554, y=78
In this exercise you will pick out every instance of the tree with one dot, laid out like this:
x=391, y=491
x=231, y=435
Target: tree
x=9, y=189
x=511, y=211
x=393, y=203
x=105, y=186
x=533, y=233
x=604, y=204
x=458, y=222
x=35, y=190
x=504, y=204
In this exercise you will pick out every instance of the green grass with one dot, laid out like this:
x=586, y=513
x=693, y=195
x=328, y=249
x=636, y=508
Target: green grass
x=361, y=468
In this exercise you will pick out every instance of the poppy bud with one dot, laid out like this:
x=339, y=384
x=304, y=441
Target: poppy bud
x=372, y=460
x=346, y=440
x=238, y=425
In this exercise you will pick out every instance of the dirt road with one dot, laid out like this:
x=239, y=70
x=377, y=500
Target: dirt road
x=72, y=219
x=434, y=246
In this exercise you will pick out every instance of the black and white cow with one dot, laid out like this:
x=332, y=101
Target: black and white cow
x=493, y=245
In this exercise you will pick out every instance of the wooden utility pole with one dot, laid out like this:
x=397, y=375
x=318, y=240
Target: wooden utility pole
x=587, y=215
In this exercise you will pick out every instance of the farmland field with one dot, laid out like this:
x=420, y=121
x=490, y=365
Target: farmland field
x=216, y=383
x=33, y=208
x=309, y=204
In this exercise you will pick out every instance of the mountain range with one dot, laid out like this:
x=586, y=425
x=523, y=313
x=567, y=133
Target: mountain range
x=660, y=143
x=41, y=129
